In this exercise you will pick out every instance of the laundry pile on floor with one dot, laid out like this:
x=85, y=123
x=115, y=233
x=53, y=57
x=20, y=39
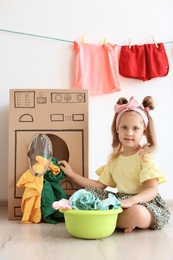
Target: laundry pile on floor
x=41, y=191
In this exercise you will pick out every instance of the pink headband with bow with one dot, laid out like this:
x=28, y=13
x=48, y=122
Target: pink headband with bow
x=132, y=105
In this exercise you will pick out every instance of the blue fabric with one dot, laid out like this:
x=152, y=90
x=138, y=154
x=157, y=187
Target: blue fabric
x=110, y=203
x=85, y=200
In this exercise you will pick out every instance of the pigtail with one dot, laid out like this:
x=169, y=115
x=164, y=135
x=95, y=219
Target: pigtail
x=148, y=105
x=122, y=101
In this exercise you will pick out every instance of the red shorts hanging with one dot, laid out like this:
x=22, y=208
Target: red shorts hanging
x=96, y=68
x=143, y=62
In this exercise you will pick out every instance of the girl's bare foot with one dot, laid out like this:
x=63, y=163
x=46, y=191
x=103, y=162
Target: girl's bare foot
x=129, y=229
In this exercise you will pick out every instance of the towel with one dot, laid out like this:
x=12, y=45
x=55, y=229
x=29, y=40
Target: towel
x=52, y=191
x=85, y=200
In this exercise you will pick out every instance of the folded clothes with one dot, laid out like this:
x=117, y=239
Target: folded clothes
x=85, y=200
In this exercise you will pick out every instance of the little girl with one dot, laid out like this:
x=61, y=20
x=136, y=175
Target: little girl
x=131, y=168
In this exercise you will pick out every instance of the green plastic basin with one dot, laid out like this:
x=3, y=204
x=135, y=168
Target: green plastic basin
x=91, y=224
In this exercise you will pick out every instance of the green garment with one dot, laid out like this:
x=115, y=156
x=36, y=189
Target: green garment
x=52, y=191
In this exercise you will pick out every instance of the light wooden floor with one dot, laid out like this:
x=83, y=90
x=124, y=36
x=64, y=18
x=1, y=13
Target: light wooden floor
x=46, y=241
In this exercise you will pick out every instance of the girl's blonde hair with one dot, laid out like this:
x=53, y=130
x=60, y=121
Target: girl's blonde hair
x=150, y=135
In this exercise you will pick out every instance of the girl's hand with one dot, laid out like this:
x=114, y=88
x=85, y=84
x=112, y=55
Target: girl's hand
x=150, y=191
x=66, y=168
x=77, y=178
x=127, y=203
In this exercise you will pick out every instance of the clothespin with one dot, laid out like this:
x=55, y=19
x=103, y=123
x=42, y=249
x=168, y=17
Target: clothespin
x=82, y=40
x=154, y=41
x=129, y=43
x=104, y=42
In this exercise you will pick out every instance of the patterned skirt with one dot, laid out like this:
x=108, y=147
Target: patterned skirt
x=156, y=206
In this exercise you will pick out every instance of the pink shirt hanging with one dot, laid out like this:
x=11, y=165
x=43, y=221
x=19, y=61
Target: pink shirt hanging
x=96, y=68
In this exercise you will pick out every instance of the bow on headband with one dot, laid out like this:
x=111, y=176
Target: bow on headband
x=132, y=105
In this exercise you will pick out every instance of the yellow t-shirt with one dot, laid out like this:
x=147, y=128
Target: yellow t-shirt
x=127, y=173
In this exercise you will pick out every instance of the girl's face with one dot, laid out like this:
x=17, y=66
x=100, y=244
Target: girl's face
x=131, y=130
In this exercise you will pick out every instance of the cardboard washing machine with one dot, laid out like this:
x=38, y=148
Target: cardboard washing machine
x=63, y=116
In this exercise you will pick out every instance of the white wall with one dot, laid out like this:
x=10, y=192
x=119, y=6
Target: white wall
x=30, y=62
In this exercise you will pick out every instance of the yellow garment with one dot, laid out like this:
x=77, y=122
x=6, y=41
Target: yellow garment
x=54, y=169
x=128, y=173
x=31, y=199
x=42, y=164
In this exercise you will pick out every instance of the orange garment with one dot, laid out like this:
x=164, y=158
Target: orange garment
x=31, y=199
x=96, y=68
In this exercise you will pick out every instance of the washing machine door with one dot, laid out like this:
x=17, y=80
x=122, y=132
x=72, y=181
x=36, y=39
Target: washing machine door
x=39, y=154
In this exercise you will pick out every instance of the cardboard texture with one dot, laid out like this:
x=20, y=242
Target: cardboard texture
x=59, y=113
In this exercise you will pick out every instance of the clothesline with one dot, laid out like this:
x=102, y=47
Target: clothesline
x=50, y=38
x=36, y=35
